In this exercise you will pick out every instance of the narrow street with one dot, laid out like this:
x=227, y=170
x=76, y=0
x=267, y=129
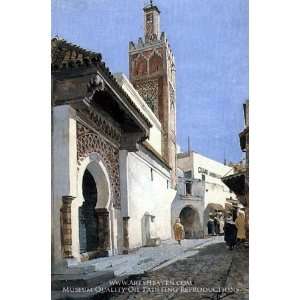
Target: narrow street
x=213, y=273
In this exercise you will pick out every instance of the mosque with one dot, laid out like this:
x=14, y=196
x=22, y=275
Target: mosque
x=117, y=180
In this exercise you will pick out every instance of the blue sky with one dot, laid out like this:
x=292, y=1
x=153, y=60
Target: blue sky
x=210, y=41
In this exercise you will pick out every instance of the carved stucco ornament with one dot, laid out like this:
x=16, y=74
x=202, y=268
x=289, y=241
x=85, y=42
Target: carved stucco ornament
x=96, y=84
x=88, y=142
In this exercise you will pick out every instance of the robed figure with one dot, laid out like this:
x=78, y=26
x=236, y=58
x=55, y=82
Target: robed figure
x=210, y=226
x=178, y=231
x=230, y=232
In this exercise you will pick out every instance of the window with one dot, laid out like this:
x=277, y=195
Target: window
x=188, y=188
x=151, y=174
x=203, y=177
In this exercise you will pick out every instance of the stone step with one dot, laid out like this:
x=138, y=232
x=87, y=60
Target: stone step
x=80, y=280
x=104, y=263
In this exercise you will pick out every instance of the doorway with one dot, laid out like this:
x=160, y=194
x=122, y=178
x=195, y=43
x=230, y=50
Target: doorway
x=88, y=237
x=189, y=218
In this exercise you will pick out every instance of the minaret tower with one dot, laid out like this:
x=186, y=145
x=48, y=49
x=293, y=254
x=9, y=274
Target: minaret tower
x=152, y=72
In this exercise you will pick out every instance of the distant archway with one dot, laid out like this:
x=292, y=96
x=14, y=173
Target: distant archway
x=190, y=220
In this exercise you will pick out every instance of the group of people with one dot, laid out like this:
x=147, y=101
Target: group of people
x=234, y=231
x=215, y=224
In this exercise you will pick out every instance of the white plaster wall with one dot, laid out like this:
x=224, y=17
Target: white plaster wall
x=116, y=227
x=64, y=169
x=147, y=196
x=155, y=138
x=217, y=193
x=209, y=164
x=215, y=190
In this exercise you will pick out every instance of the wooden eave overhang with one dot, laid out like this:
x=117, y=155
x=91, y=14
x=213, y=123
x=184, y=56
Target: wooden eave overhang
x=236, y=182
x=80, y=78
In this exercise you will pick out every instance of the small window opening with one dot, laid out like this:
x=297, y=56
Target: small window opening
x=188, y=188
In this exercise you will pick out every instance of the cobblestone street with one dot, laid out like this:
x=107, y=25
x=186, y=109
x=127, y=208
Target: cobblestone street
x=213, y=273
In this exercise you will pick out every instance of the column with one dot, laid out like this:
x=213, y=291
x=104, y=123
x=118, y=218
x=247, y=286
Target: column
x=67, y=226
x=125, y=235
x=103, y=229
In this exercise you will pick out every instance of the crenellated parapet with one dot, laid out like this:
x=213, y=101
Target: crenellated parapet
x=143, y=44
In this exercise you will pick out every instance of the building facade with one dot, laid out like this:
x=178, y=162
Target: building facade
x=112, y=165
x=93, y=119
x=214, y=193
x=189, y=205
x=146, y=181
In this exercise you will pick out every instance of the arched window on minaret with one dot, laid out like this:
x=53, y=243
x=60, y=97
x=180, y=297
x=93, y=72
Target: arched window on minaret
x=140, y=66
x=155, y=63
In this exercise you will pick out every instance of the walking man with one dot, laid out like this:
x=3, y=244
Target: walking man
x=178, y=231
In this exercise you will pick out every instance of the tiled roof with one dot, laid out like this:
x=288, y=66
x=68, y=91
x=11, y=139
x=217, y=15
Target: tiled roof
x=65, y=55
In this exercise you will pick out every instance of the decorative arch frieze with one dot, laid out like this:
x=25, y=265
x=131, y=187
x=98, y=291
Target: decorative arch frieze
x=89, y=142
x=155, y=63
x=140, y=66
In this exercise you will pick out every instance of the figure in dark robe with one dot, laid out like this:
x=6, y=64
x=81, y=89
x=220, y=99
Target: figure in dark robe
x=210, y=226
x=217, y=225
x=230, y=232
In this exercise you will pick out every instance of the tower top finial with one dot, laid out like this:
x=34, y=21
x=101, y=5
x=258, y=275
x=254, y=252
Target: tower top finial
x=151, y=6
